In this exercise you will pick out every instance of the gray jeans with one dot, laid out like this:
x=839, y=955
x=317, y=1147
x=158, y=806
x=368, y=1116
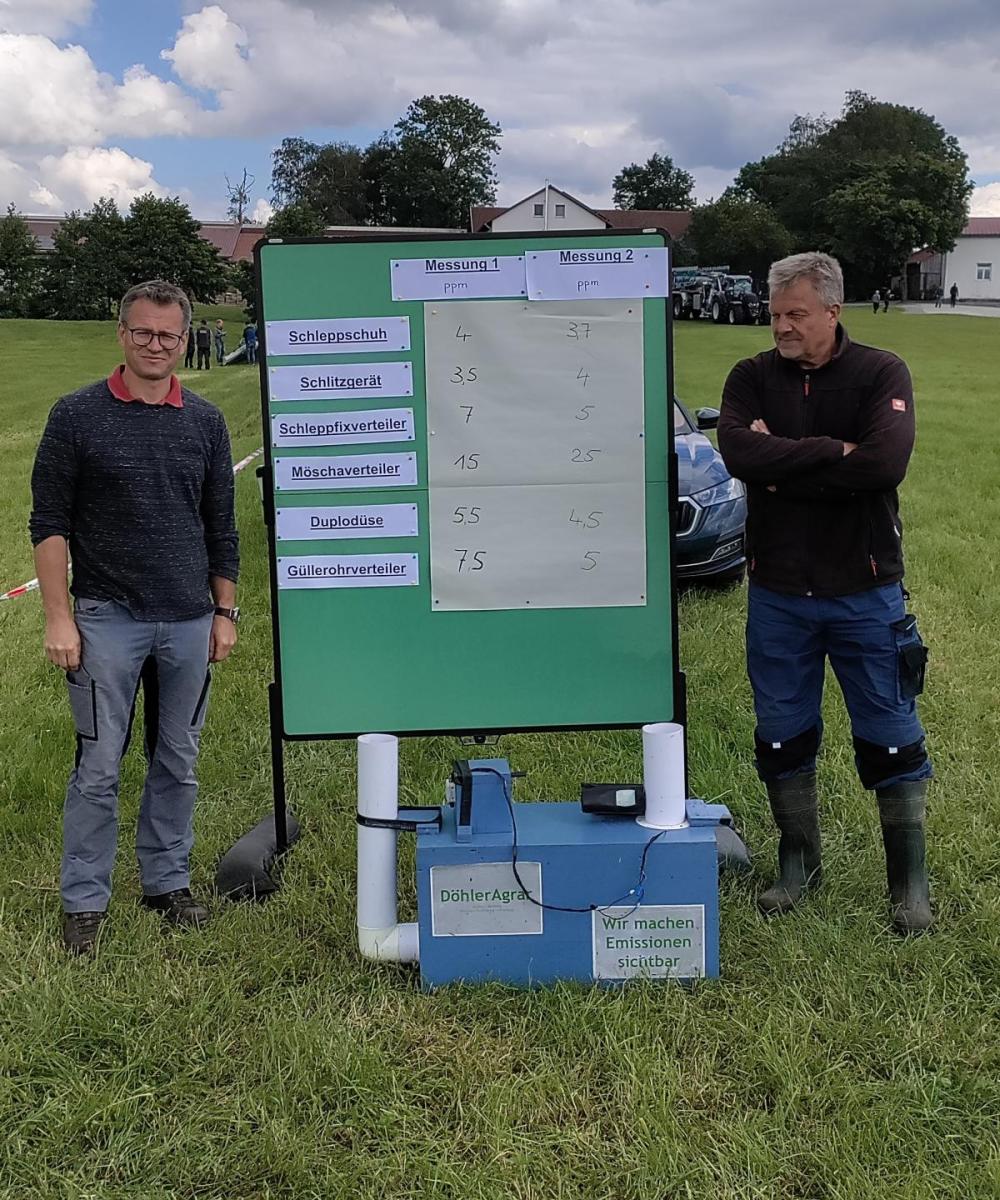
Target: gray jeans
x=102, y=696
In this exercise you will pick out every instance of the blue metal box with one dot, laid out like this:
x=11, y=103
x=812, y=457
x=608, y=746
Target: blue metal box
x=476, y=923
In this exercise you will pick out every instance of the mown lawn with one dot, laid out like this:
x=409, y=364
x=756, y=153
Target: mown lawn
x=261, y=1058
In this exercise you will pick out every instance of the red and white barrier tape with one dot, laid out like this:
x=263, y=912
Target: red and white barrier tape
x=32, y=584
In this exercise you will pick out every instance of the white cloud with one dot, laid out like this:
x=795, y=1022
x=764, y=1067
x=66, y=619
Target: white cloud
x=91, y=173
x=53, y=96
x=74, y=179
x=51, y=17
x=263, y=211
x=986, y=201
x=210, y=52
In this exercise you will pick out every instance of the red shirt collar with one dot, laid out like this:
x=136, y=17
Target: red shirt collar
x=116, y=383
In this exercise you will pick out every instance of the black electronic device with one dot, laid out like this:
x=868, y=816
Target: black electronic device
x=613, y=799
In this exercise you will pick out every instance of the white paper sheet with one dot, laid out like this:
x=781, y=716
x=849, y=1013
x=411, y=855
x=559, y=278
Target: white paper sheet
x=536, y=454
x=341, y=381
x=329, y=523
x=337, y=335
x=468, y=277
x=345, y=471
x=583, y=273
x=348, y=571
x=534, y=393
x=342, y=428
x=557, y=546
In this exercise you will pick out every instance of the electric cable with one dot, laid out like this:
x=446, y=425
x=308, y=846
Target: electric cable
x=633, y=896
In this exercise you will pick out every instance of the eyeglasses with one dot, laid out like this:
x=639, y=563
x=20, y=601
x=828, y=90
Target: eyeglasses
x=143, y=337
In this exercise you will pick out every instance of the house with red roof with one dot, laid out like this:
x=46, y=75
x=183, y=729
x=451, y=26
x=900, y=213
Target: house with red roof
x=551, y=209
x=974, y=265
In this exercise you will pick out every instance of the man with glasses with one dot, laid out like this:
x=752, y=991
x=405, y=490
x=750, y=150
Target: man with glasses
x=133, y=478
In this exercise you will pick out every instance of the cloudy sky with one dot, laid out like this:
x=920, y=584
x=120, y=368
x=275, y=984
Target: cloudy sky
x=118, y=97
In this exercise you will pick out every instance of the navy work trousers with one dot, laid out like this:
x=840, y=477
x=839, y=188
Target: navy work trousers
x=789, y=639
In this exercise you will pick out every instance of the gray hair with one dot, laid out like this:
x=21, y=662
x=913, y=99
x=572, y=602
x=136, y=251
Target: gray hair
x=160, y=292
x=822, y=271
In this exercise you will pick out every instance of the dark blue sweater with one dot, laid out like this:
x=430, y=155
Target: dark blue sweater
x=144, y=495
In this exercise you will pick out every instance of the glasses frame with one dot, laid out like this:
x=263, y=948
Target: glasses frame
x=147, y=335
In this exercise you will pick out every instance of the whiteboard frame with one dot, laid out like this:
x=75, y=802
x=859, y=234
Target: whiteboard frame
x=477, y=733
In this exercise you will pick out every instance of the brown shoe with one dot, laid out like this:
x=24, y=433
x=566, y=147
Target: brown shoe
x=80, y=931
x=179, y=907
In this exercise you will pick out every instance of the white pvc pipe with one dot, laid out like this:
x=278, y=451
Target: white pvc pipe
x=380, y=936
x=663, y=776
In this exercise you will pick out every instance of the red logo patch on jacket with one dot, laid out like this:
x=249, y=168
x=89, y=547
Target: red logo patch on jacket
x=899, y=405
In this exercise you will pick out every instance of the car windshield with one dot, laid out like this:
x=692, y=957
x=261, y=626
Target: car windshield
x=742, y=285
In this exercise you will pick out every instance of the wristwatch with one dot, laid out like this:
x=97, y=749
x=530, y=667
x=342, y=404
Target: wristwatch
x=232, y=613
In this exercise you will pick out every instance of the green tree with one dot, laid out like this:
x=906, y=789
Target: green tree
x=655, y=184
x=375, y=173
x=19, y=266
x=163, y=242
x=294, y=221
x=739, y=231
x=88, y=270
x=440, y=161
x=869, y=186
x=329, y=179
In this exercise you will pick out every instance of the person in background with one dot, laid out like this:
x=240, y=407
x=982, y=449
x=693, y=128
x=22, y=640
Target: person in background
x=219, y=334
x=189, y=349
x=203, y=340
x=876, y=300
x=886, y=297
x=134, y=477
x=938, y=296
x=821, y=430
x=953, y=292
x=250, y=341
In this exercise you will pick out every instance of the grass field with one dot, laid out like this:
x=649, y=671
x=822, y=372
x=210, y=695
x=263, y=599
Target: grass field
x=261, y=1058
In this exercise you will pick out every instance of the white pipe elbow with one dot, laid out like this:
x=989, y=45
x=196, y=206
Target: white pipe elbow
x=395, y=943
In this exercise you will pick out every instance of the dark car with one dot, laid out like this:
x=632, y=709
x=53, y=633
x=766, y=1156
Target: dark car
x=712, y=505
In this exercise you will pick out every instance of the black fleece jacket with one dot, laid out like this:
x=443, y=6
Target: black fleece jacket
x=821, y=523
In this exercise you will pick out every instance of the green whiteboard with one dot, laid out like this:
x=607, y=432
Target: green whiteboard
x=553, y=613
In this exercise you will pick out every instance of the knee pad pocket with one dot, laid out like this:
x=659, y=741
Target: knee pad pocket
x=877, y=763
x=784, y=758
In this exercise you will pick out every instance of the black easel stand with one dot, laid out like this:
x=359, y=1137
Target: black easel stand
x=248, y=871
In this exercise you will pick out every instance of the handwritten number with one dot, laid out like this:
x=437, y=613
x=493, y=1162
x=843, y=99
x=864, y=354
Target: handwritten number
x=467, y=462
x=591, y=521
x=464, y=515
x=583, y=456
x=476, y=563
x=579, y=330
x=461, y=334
x=590, y=560
x=586, y=410
x=464, y=375
x=583, y=376
x=467, y=409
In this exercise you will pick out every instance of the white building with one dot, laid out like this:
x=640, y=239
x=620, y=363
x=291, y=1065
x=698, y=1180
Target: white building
x=551, y=209
x=974, y=265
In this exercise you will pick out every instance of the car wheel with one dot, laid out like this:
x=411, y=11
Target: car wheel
x=678, y=307
x=732, y=317
x=716, y=312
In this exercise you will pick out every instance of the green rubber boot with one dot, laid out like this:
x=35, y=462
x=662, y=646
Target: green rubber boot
x=901, y=810
x=796, y=813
